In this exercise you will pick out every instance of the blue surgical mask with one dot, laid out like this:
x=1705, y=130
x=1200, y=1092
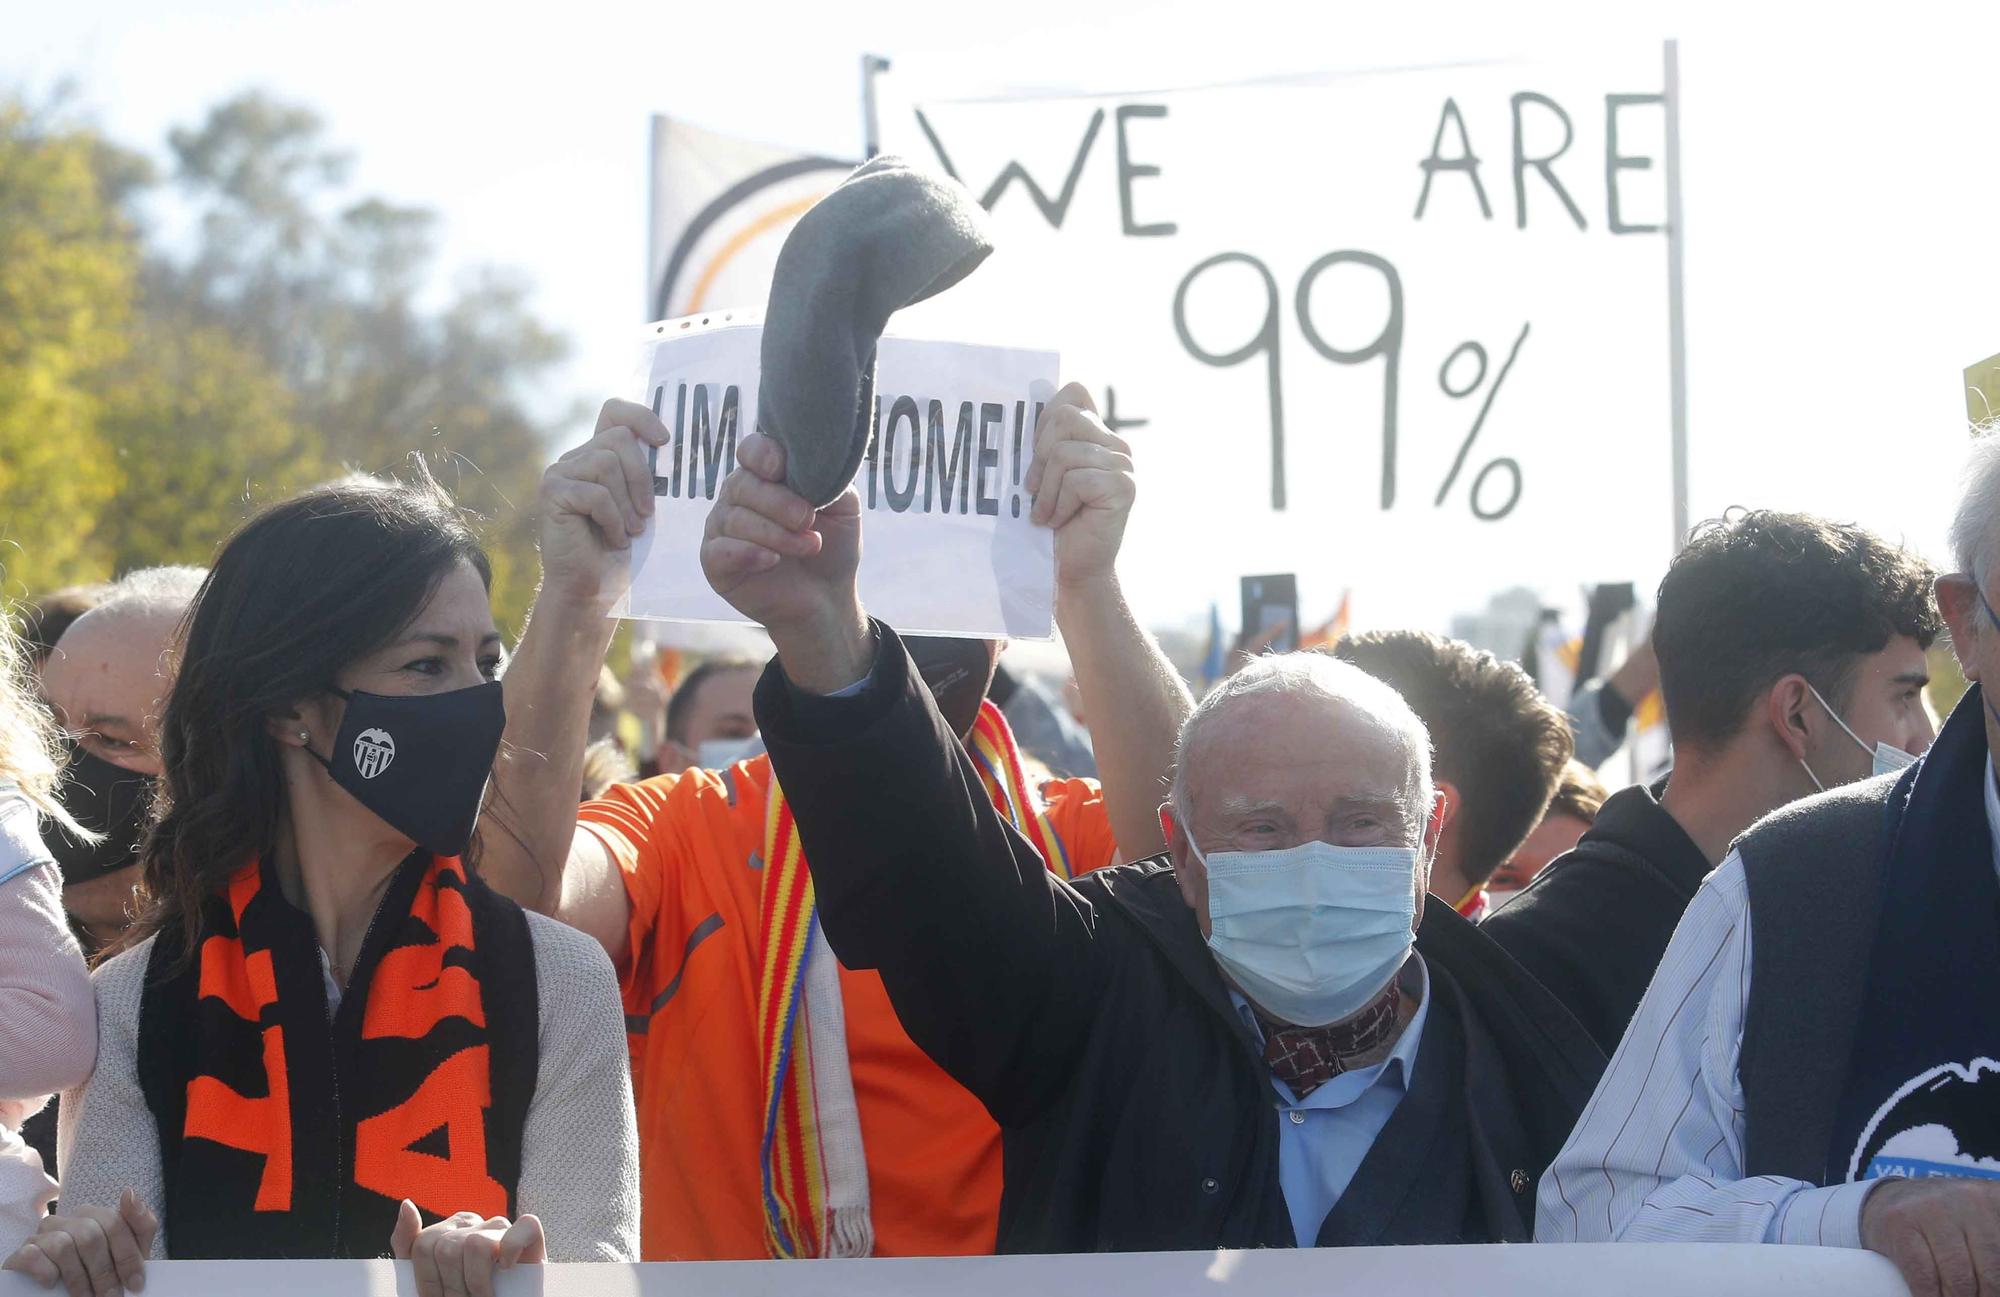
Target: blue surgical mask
x=720, y=754
x=1311, y=933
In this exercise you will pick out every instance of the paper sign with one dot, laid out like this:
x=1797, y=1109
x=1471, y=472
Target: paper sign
x=946, y=544
x=1400, y=329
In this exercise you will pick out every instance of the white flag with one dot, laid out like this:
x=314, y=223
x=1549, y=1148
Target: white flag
x=721, y=209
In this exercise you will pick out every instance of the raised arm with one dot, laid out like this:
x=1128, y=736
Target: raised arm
x=1082, y=481
x=593, y=500
x=987, y=958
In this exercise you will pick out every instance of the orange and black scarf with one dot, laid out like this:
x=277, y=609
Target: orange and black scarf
x=284, y=1133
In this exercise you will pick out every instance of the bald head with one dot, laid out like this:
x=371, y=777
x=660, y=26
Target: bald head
x=1334, y=700
x=109, y=674
x=1298, y=748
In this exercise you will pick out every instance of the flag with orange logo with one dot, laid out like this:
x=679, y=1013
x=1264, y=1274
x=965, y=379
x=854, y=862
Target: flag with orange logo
x=721, y=208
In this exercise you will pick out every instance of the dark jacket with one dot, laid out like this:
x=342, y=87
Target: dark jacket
x=1090, y=1019
x=1814, y=873
x=1873, y=917
x=1593, y=926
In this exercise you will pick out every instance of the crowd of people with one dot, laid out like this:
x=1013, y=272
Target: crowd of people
x=871, y=951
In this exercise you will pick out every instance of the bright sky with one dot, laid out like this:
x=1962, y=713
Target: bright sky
x=1839, y=187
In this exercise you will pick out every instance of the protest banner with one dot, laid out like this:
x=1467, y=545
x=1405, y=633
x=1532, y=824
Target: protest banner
x=1375, y=328
x=1383, y=328
x=1629, y=1269
x=947, y=545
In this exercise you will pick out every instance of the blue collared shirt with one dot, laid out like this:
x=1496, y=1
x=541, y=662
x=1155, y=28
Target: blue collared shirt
x=1323, y=1137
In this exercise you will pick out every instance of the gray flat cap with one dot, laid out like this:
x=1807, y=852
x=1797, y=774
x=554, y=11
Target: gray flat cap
x=888, y=237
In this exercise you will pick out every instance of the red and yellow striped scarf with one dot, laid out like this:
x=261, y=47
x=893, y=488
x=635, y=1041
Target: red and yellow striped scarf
x=798, y=1221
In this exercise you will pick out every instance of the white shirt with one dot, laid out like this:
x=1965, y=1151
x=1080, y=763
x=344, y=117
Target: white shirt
x=1658, y=1154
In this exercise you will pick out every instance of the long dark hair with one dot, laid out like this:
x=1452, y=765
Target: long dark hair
x=299, y=591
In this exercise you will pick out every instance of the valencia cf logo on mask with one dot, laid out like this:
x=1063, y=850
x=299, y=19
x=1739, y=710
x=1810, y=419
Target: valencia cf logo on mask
x=1945, y=1121
x=373, y=751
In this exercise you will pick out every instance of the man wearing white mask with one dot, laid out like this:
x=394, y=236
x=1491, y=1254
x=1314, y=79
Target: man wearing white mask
x=708, y=717
x=1268, y=1036
x=1791, y=660
x=1823, y=1025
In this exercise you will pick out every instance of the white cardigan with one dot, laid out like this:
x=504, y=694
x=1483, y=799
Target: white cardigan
x=579, y=1150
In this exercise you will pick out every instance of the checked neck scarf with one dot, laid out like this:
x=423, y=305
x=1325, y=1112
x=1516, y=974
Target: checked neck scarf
x=1305, y=1058
x=288, y=1133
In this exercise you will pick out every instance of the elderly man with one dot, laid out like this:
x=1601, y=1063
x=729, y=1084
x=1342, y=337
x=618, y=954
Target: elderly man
x=106, y=679
x=744, y=1150
x=1227, y=1045
x=1835, y=1079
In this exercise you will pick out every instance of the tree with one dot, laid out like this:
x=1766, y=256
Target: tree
x=67, y=266
x=203, y=431
x=329, y=289
x=149, y=399
x=130, y=434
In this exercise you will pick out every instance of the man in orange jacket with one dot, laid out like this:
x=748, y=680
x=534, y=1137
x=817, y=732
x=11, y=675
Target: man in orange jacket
x=782, y=1109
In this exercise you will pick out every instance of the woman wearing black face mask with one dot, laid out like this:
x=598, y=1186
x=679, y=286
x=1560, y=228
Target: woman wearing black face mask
x=325, y=1031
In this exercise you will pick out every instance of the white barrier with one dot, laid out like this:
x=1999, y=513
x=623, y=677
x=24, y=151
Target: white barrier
x=1626, y=1270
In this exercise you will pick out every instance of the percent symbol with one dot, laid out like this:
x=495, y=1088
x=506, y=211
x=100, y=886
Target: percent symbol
x=1511, y=467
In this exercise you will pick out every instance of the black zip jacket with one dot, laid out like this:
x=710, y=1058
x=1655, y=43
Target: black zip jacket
x=1090, y=1019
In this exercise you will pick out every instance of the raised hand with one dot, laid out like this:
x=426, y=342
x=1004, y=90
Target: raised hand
x=1081, y=478
x=789, y=567
x=594, y=501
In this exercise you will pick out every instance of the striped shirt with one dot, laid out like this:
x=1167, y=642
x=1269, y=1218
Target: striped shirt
x=1658, y=1154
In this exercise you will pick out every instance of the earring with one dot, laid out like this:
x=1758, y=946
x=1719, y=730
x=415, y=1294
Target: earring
x=304, y=737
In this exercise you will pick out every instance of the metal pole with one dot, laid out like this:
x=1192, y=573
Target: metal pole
x=871, y=126
x=655, y=254
x=1676, y=313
